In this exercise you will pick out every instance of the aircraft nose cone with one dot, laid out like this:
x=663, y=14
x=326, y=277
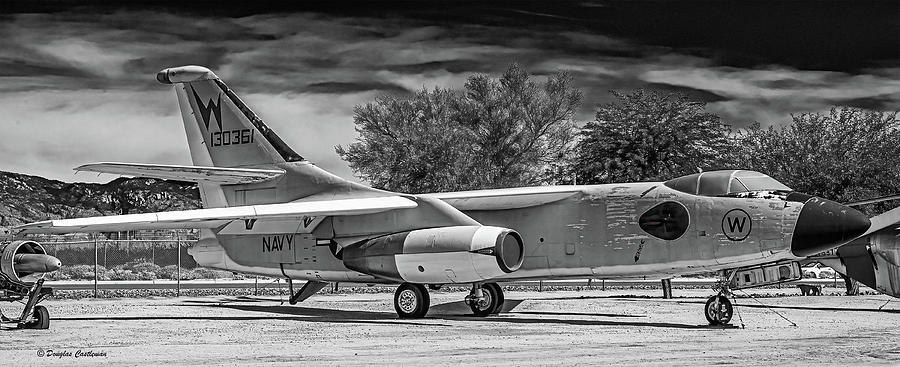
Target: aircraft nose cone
x=824, y=224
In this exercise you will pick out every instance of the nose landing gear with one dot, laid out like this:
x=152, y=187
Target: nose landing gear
x=718, y=310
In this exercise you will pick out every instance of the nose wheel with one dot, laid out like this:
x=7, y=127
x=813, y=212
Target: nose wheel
x=718, y=310
x=411, y=301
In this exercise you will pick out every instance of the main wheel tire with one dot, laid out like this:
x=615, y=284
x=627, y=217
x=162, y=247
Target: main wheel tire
x=489, y=303
x=499, y=296
x=41, y=318
x=411, y=301
x=720, y=315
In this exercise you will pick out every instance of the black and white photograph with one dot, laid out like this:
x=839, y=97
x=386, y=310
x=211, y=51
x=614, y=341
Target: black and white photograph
x=439, y=182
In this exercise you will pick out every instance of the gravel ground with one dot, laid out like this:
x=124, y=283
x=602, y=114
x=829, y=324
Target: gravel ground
x=584, y=327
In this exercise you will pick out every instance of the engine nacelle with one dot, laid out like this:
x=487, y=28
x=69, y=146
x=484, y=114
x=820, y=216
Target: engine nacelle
x=22, y=261
x=460, y=254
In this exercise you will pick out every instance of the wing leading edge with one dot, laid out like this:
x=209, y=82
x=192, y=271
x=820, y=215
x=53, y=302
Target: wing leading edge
x=501, y=199
x=216, y=217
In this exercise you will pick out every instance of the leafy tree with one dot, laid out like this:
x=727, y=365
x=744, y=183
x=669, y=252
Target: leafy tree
x=410, y=144
x=650, y=135
x=494, y=133
x=846, y=155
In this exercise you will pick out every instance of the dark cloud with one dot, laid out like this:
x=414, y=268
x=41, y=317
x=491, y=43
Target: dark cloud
x=303, y=66
x=452, y=66
x=881, y=103
x=340, y=88
x=698, y=94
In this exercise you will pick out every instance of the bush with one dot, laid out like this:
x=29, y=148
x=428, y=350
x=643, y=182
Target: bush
x=78, y=272
x=204, y=273
x=143, y=267
x=120, y=273
x=139, y=270
x=171, y=272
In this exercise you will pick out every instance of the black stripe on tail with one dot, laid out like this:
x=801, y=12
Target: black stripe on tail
x=288, y=154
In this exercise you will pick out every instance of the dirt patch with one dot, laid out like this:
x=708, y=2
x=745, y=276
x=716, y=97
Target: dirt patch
x=554, y=327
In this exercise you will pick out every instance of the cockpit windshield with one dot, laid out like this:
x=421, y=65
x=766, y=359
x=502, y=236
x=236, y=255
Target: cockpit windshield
x=722, y=183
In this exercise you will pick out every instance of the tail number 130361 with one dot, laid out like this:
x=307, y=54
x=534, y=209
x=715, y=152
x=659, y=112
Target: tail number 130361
x=231, y=137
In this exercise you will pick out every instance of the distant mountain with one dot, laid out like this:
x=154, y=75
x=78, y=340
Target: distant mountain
x=25, y=198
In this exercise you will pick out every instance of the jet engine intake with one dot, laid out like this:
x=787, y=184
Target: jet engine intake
x=458, y=254
x=23, y=261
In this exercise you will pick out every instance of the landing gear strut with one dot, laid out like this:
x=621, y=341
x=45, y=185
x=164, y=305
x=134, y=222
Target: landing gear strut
x=718, y=309
x=309, y=289
x=485, y=299
x=411, y=301
x=33, y=316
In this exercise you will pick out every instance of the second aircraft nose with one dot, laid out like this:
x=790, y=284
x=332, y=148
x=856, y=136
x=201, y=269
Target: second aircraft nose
x=824, y=224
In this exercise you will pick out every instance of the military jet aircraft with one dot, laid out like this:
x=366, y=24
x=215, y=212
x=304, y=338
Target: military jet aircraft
x=269, y=211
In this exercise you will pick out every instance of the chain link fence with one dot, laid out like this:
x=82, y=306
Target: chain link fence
x=145, y=259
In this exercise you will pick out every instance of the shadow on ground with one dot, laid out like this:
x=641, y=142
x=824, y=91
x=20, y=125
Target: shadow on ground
x=455, y=311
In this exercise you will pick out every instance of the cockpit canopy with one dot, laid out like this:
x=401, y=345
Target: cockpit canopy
x=726, y=182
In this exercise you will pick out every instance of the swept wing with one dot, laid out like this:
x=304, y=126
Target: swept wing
x=216, y=217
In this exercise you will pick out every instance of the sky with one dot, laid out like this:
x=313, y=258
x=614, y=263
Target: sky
x=77, y=82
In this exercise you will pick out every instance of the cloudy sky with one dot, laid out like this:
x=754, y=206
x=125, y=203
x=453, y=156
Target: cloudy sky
x=77, y=84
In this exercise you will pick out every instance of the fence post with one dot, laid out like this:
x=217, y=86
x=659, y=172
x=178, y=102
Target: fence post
x=178, y=281
x=256, y=285
x=96, y=261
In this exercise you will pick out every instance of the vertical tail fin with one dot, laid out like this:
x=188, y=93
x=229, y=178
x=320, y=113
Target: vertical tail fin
x=222, y=131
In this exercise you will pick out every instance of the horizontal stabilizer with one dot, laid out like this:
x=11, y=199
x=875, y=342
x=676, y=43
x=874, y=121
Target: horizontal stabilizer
x=501, y=199
x=218, y=175
x=216, y=217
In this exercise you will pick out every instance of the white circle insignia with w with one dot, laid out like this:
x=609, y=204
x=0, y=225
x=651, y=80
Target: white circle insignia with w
x=736, y=225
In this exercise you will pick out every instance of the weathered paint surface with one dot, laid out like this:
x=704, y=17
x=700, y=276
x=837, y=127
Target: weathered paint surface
x=593, y=233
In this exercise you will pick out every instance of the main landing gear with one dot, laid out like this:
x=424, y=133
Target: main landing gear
x=485, y=299
x=411, y=301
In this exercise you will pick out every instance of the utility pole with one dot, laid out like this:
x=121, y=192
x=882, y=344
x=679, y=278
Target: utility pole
x=178, y=266
x=96, y=261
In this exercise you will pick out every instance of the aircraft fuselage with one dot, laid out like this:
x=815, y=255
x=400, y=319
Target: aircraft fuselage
x=613, y=230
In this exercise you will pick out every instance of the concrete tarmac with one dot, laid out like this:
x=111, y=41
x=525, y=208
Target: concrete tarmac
x=590, y=327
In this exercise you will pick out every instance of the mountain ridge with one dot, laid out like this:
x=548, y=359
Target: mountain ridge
x=28, y=198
